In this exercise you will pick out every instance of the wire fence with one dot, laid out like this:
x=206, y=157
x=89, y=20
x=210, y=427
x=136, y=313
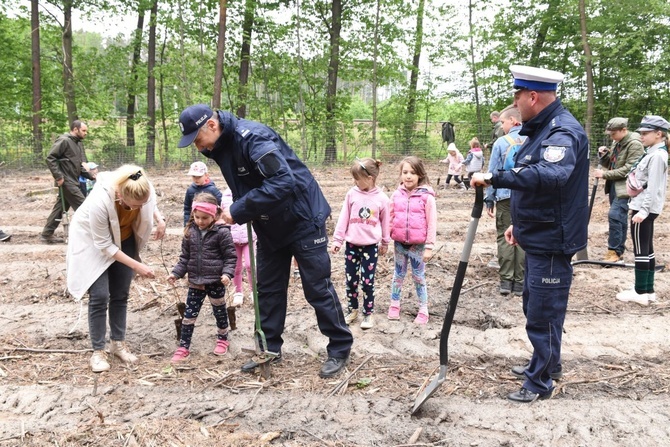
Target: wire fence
x=17, y=151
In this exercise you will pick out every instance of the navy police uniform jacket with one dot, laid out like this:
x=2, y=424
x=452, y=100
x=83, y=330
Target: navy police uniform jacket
x=549, y=183
x=270, y=185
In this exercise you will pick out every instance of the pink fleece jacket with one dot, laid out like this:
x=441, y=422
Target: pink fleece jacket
x=364, y=219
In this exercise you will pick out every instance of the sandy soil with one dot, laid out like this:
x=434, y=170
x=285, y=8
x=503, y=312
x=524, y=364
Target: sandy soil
x=614, y=392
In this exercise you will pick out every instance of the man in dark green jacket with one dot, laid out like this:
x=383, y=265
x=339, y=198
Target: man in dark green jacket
x=617, y=162
x=66, y=161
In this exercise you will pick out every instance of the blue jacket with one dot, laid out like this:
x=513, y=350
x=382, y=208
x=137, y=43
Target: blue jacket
x=197, y=189
x=549, y=183
x=498, y=155
x=270, y=185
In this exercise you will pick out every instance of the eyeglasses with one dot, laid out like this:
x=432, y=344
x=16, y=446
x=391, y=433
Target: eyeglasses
x=128, y=206
x=362, y=165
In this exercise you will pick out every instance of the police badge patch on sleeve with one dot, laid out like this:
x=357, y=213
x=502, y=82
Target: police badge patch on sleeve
x=554, y=154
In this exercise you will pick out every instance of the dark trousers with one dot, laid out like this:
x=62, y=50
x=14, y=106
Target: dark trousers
x=545, y=301
x=645, y=258
x=73, y=198
x=194, y=301
x=618, y=223
x=110, y=291
x=274, y=271
x=360, y=262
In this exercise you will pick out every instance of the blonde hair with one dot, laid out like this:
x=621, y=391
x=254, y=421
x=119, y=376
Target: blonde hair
x=474, y=143
x=131, y=182
x=364, y=167
x=203, y=197
x=417, y=166
x=512, y=112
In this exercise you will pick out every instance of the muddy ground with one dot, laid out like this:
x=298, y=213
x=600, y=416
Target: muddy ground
x=614, y=391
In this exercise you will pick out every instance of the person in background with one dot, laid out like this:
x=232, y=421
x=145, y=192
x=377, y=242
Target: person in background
x=617, y=162
x=414, y=230
x=107, y=233
x=363, y=226
x=66, y=161
x=455, y=160
x=550, y=213
x=474, y=162
x=511, y=258
x=208, y=257
x=201, y=183
x=652, y=172
x=276, y=191
x=497, y=130
x=86, y=184
x=241, y=240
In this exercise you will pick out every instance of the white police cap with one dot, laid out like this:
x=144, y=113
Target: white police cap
x=534, y=78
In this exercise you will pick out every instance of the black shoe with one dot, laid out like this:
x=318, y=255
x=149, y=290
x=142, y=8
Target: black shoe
x=526, y=396
x=4, y=236
x=505, y=287
x=332, y=367
x=51, y=239
x=518, y=372
x=517, y=288
x=251, y=365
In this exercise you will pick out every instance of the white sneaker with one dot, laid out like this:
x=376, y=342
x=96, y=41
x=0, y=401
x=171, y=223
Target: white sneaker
x=632, y=296
x=238, y=299
x=120, y=349
x=350, y=316
x=99, y=362
x=651, y=297
x=368, y=322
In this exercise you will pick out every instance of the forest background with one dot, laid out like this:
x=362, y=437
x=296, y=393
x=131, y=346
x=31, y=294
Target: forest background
x=336, y=79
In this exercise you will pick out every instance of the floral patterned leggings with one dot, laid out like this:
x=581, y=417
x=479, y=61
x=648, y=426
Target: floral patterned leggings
x=194, y=300
x=360, y=262
x=414, y=254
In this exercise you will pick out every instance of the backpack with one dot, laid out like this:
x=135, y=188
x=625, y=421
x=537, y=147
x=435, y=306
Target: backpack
x=510, y=155
x=448, y=134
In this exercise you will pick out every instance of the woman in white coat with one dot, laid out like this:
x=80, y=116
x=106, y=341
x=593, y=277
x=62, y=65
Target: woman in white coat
x=106, y=235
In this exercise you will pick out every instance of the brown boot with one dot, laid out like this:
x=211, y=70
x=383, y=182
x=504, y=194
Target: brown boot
x=611, y=256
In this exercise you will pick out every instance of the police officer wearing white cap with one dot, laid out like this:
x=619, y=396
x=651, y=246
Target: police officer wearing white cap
x=549, y=207
x=651, y=172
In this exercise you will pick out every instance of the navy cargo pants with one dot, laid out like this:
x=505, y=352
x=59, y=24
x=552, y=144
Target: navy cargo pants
x=545, y=301
x=274, y=270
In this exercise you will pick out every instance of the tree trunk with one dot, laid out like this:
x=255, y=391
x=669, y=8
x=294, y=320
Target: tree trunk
x=151, y=88
x=37, y=79
x=134, y=78
x=331, y=94
x=588, y=65
x=68, y=71
x=301, y=77
x=220, y=53
x=161, y=97
x=413, y=81
x=541, y=36
x=247, y=29
x=375, y=56
x=473, y=67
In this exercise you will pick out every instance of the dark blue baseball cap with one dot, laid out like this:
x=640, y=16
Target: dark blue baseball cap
x=190, y=122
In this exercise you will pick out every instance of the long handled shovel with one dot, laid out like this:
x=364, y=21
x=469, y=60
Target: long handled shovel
x=453, y=301
x=263, y=356
x=65, y=219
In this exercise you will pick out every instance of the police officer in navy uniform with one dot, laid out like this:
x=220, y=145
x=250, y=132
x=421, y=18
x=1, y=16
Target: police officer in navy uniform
x=549, y=207
x=275, y=191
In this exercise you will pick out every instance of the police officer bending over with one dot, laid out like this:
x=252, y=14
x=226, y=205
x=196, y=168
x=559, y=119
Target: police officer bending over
x=275, y=191
x=549, y=207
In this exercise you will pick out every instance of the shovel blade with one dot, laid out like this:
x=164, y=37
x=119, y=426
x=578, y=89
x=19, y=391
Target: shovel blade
x=430, y=389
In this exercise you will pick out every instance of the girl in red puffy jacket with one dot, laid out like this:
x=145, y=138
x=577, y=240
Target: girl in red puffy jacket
x=413, y=229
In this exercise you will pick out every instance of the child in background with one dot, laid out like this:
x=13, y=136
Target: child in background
x=241, y=240
x=413, y=229
x=474, y=162
x=86, y=185
x=455, y=160
x=201, y=183
x=208, y=256
x=362, y=225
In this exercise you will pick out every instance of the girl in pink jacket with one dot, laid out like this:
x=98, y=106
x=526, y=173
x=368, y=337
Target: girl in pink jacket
x=362, y=225
x=413, y=229
x=455, y=161
x=241, y=241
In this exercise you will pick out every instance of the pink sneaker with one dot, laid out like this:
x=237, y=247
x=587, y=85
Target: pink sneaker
x=221, y=347
x=180, y=355
x=394, y=313
x=421, y=318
